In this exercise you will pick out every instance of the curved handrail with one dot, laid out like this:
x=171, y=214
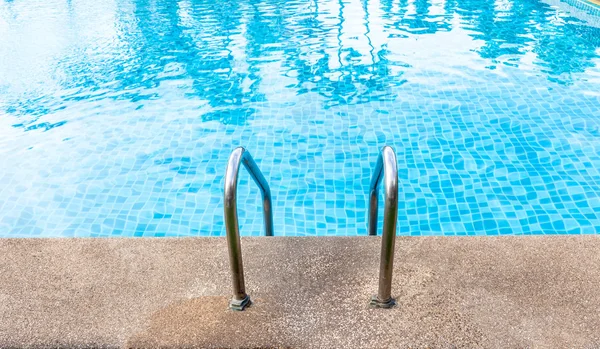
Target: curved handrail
x=386, y=170
x=241, y=155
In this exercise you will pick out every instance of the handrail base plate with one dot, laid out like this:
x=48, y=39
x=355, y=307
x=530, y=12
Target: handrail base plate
x=239, y=305
x=376, y=303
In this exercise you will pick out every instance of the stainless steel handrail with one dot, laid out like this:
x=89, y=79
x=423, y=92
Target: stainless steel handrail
x=241, y=155
x=386, y=170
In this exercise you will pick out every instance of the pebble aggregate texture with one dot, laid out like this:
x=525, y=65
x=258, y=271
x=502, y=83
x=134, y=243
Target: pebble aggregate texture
x=308, y=292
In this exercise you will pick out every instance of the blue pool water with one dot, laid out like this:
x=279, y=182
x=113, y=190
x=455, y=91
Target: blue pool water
x=117, y=116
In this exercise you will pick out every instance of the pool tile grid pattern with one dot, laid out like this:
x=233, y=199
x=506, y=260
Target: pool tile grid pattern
x=487, y=144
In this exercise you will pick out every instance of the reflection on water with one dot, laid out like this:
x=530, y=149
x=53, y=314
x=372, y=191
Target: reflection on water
x=221, y=53
x=118, y=115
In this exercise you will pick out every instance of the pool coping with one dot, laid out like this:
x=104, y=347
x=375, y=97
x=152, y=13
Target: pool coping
x=527, y=291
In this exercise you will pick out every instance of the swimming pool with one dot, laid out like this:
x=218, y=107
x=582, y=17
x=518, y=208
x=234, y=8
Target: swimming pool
x=117, y=117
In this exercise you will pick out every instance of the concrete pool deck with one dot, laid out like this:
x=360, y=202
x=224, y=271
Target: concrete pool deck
x=492, y=292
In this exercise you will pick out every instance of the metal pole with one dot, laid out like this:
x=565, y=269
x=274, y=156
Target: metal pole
x=386, y=169
x=239, y=155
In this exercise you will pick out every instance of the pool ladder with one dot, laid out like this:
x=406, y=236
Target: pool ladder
x=386, y=171
x=239, y=156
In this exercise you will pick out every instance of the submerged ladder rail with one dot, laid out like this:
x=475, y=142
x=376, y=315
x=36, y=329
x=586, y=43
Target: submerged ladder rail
x=241, y=156
x=386, y=171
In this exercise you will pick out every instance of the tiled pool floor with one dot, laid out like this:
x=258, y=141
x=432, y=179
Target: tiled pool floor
x=117, y=118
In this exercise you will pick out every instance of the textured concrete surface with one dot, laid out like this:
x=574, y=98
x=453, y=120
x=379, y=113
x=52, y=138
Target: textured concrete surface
x=505, y=292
